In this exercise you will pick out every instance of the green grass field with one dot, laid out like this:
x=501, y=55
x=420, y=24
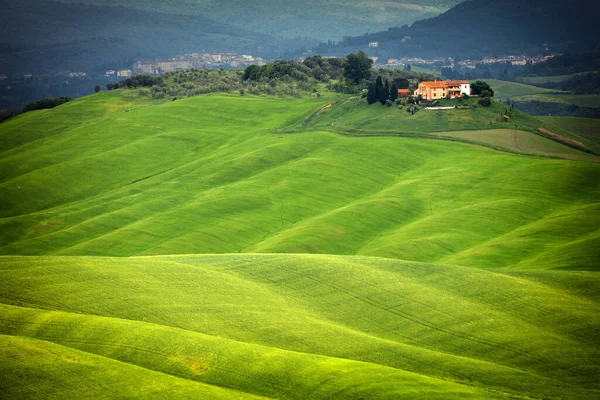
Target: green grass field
x=519, y=142
x=300, y=326
x=269, y=247
x=177, y=178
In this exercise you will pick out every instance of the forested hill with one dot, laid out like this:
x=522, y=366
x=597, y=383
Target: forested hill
x=486, y=27
x=317, y=19
x=38, y=35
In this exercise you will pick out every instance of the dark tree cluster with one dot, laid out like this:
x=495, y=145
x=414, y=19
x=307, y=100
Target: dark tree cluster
x=482, y=88
x=317, y=68
x=46, y=103
x=135, y=81
x=357, y=67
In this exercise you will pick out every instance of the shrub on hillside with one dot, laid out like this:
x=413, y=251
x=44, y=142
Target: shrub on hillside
x=485, y=101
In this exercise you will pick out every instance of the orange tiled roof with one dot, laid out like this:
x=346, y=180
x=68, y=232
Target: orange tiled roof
x=443, y=84
x=435, y=84
x=404, y=91
x=459, y=82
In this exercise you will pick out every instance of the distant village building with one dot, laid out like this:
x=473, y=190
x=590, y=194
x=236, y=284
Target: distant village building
x=373, y=44
x=124, y=73
x=374, y=59
x=109, y=73
x=145, y=67
x=77, y=74
x=432, y=90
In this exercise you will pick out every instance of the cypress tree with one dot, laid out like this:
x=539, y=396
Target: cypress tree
x=394, y=91
x=378, y=86
x=372, y=94
x=384, y=93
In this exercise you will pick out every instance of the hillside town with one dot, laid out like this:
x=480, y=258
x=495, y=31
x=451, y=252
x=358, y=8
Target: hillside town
x=196, y=60
x=454, y=63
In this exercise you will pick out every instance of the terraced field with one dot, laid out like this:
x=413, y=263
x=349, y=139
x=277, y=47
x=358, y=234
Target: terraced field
x=194, y=197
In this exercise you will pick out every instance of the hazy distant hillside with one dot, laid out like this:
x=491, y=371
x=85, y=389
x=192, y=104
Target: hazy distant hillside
x=40, y=36
x=485, y=27
x=291, y=18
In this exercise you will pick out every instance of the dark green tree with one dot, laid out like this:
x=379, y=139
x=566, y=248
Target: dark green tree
x=384, y=93
x=357, y=67
x=97, y=89
x=402, y=83
x=478, y=87
x=252, y=72
x=372, y=94
x=378, y=86
x=394, y=91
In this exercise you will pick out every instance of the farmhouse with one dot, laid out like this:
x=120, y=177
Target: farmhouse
x=404, y=92
x=432, y=90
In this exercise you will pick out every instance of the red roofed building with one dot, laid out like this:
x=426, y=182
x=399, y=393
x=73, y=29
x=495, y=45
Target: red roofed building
x=432, y=90
x=404, y=92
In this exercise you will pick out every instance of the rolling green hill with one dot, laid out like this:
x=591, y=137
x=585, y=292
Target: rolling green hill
x=192, y=199
x=140, y=178
x=296, y=327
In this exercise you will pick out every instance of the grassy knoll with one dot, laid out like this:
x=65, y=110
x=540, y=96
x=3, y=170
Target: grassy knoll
x=178, y=177
x=355, y=117
x=297, y=326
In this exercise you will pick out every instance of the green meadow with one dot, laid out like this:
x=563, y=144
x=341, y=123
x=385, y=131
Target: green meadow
x=300, y=326
x=228, y=246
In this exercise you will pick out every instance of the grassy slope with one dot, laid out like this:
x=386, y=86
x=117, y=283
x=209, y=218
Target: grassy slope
x=520, y=142
x=588, y=128
x=301, y=326
x=41, y=369
x=522, y=92
x=178, y=178
x=507, y=89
